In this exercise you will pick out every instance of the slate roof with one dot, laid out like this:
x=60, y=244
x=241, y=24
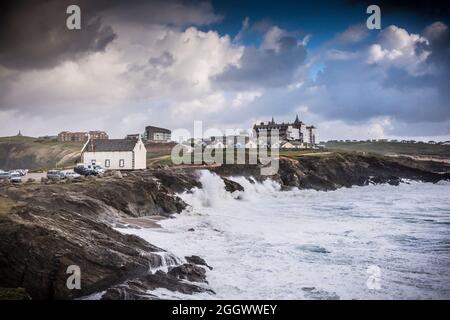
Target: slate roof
x=105, y=145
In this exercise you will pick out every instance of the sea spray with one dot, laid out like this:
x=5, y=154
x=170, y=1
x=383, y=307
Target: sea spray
x=302, y=244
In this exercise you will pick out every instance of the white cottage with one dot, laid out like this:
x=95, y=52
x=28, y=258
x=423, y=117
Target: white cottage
x=117, y=154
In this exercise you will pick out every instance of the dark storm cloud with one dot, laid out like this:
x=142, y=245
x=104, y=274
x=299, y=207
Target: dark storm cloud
x=261, y=67
x=436, y=9
x=33, y=34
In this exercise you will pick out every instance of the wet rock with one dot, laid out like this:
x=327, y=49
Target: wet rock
x=58, y=225
x=37, y=247
x=197, y=260
x=138, y=288
x=232, y=186
x=189, y=272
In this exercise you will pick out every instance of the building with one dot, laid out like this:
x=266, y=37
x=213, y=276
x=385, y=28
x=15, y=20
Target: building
x=134, y=136
x=117, y=154
x=72, y=136
x=311, y=135
x=296, y=131
x=286, y=131
x=81, y=136
x=98, y=135
x=292, y=145
x=156, y=134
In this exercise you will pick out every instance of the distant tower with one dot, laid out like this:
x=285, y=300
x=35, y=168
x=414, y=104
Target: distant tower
x=19, y=134
x=273, y=120
x=296, y=120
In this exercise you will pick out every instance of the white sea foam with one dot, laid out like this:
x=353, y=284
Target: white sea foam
x=302, y=244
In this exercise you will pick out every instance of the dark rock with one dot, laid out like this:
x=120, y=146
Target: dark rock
x=138, y=288
x=189, y=272
x=197, y=260
x=232, y=186
x=37, y=247
x=337, y=170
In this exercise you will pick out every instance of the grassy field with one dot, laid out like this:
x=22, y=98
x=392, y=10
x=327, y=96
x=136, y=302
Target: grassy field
x=392, y=148
x=164, y=158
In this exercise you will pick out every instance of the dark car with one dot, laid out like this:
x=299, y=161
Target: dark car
x=84, y=170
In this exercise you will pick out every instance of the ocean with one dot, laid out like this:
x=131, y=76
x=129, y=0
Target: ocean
x=371, y=242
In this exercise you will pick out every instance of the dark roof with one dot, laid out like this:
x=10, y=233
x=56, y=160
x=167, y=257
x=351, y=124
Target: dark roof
x=102, y=145
x=152, y=128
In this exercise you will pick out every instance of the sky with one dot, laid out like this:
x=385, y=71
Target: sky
x=228, y=64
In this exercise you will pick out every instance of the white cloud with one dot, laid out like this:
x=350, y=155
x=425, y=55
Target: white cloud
x=245, y=97
x=398, y=48
x=352, y=35
x=125, y=82
x=335, y=54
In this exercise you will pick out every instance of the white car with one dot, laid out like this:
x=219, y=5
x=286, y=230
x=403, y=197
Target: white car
x=15, y=177
x=72, y=175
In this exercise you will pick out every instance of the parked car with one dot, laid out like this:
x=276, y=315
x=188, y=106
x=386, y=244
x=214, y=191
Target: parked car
x=15, y=177
x=83, y=170
x=72, y=175
x=99, y=169
x=55, y=175
x=89, y=169
x=4, y=175
x=22, y=172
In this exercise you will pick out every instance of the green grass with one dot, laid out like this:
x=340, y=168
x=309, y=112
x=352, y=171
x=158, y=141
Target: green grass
x=390, y=148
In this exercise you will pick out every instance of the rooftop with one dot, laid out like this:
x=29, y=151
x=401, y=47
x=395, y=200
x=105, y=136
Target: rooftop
x=102, y=145
x=157, y=129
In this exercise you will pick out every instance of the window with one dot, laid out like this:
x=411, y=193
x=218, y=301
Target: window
x=107, y=163
x=121, y=163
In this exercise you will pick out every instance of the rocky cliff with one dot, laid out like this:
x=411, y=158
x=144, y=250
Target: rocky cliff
x=338, y=170
x=44, y=228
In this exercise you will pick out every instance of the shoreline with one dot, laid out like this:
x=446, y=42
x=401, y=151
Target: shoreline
x=75, y=222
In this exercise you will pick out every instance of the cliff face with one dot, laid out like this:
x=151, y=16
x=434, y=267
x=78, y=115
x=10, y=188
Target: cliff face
x=44, y=228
